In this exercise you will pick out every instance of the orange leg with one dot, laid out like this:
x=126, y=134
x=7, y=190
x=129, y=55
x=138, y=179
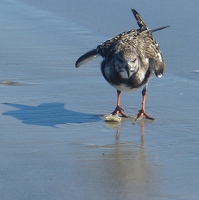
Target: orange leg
x=118, y=109
x=142, y=110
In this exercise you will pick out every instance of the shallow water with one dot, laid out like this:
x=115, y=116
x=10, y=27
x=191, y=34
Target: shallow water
x=54, y=141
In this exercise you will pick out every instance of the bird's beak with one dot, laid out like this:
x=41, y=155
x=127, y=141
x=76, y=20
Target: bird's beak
x=128, y=69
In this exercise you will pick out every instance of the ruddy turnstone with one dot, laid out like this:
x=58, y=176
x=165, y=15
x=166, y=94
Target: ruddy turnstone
x=129, y=60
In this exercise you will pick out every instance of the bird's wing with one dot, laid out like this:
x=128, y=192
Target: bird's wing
x=139, y=19
x=102, y=50
x=154, y=53
x=86, y=57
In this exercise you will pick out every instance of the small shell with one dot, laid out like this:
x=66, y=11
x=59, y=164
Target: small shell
x=113, y=118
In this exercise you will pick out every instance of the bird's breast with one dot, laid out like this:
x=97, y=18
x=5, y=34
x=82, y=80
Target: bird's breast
x=121, y=82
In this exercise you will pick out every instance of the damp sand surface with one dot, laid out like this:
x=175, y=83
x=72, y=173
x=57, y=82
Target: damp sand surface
x=55, y=143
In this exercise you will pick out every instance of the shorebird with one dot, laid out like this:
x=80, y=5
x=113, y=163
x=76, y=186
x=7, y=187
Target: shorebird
x=129, y=60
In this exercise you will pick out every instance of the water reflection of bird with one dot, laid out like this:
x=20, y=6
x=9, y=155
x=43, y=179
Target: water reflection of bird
x=129, y=60
x=120, y=168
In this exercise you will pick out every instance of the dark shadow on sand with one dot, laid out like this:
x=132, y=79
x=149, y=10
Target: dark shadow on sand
x=49, y=114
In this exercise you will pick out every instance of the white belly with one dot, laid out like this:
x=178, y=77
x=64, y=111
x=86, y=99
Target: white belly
x=124, y=88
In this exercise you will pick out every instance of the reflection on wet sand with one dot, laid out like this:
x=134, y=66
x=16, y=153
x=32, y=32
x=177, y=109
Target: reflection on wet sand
x=122, y=170
x=118, y=125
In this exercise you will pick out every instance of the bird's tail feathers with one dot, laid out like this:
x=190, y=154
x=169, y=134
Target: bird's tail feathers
x=86, y=57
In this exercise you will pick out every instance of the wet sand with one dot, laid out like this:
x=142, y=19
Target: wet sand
x=55, y=143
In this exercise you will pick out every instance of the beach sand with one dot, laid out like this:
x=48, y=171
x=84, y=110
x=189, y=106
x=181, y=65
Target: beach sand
x=55, y=143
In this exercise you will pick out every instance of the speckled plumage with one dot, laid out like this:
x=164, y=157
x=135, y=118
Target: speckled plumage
x=129, y=59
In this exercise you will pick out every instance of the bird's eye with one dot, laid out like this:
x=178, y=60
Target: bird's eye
x=134, y=60
x=120, y=59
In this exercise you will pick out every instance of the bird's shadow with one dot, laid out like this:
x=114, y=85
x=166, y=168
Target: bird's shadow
x=49, y=114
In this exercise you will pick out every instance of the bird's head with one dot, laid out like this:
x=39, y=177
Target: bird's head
x=126, y=63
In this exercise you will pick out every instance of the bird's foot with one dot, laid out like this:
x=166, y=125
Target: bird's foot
x=119, y=110
x=141, y=114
